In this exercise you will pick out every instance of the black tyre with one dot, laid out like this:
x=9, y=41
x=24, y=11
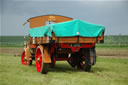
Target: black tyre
x=93, y=53
x=44, y=68
x=73, y=61
x=40, y=65
x=30, y=62
x=87, y=61
x=52, y=65
x=32, y=58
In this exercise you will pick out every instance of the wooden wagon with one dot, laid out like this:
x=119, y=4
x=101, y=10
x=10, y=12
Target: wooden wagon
x=50, y=40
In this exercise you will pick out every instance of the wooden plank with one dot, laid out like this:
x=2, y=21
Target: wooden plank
x=67, y=40
x=87, y=40
x=100, y=38
x=43, y=40
x=41, y=20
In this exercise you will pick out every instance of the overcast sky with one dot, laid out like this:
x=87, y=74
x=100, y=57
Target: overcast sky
x=112, y=14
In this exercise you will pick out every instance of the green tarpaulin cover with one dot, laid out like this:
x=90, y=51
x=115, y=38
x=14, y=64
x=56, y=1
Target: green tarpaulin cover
x=68, y=29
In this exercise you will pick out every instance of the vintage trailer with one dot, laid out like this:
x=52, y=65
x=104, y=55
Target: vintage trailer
x=59, y=38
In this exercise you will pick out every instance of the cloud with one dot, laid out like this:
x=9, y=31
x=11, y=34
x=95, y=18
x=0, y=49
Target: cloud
x=111, y=14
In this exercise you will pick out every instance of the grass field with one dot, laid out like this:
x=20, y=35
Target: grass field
x=11, y=40
x=107, y=71
x=116, y=41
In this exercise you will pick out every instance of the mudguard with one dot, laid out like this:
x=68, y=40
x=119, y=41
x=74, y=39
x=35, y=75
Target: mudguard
x=45, y=54
x=91, y=56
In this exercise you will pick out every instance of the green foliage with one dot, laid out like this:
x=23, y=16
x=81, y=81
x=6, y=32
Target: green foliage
x=116, y=39
x=112, y=45
x=12, y=40
x=119, y=41
x=107, y=71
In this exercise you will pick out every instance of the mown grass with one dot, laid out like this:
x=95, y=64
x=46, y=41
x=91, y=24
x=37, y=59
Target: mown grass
x=11, y=46
x=111, y=46
x=107, y=71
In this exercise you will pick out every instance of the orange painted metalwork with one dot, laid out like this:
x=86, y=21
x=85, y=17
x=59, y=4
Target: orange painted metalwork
x=45, y=54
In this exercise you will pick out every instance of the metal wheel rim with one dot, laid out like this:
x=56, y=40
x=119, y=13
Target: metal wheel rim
x=23, y=60
x=38, y=59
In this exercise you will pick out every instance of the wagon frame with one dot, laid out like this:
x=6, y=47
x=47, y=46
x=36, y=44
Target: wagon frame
x=77, y=51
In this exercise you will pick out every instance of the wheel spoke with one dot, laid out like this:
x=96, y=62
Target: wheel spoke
x=82, y=65
x=38, y=60
x=23, y=60
x=40, y=65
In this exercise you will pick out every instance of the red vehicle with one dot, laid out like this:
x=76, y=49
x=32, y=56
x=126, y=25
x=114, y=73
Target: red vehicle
x=78, y=51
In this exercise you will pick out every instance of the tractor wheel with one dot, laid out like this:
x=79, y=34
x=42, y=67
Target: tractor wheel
x=80, y=61
x=52, y=65
x=76, y=61
x=40, y=65
x=24, y=60
x=30, y=62
x=32, y=58
x=87, y=61
x=72, y=60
